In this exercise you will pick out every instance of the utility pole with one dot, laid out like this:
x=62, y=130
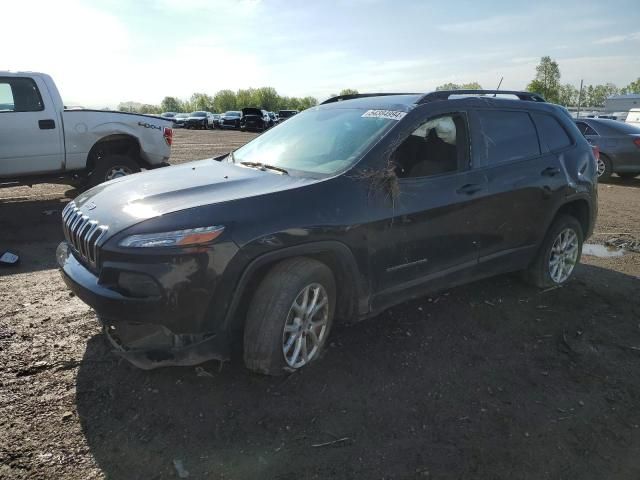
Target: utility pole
x=579, y=99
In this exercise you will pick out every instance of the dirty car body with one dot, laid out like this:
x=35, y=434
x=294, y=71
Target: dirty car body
x=340, y=197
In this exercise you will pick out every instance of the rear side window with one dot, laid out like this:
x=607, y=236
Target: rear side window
x=585, y=129
x=552, y=134
x=508, y=136
x=19, y=95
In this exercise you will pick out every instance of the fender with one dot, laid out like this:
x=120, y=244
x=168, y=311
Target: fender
x=360, y=298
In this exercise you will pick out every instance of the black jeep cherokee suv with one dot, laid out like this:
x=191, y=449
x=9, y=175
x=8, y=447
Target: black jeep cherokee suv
x=342, y=211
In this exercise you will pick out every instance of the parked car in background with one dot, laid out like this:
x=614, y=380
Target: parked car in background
x=231, y=119
x=215, y=120
x=341, y=212
x=180, y=119
x=41, y=141
x=284, y=114
x=633, y=117
x=198, y=119
x=168, y=115
x=619, y=145
x=273, y=118
x=254, y=119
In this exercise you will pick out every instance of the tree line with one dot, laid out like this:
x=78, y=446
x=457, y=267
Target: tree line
x=547, y=83
x=223, y=101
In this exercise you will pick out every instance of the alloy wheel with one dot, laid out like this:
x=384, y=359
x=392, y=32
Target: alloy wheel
x=306, y=326
x=563, y=256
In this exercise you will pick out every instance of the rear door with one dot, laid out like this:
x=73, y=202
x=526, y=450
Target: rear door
x=30, y=133
x=526, y=181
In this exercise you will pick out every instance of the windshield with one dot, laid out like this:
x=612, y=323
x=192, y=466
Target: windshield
x=232, y=114
x=182, y=115
x=199, y=114
x=322, y=141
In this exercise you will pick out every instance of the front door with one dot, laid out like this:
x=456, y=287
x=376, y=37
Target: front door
x=30, y=133
x=431, y=228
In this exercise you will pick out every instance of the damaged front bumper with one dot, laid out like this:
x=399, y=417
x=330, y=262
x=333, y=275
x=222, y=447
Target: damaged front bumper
x=153, y=346
x=137, y=327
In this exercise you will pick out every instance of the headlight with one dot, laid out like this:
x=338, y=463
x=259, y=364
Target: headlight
x=177, y=238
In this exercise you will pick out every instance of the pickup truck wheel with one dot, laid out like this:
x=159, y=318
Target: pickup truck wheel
x=289, y=317
x=112, y=166
x=559, y=254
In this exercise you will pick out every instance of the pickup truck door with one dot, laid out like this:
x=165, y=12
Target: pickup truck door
x=31, y=135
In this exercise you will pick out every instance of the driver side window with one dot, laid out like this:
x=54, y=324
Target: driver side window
x=438, y=146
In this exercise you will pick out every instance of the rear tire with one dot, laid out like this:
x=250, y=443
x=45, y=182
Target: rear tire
x=287, y=328
x=112, y=166
x=605, y=168
x=555, y=262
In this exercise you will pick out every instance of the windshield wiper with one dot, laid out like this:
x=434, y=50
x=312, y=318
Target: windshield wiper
x=264, y=166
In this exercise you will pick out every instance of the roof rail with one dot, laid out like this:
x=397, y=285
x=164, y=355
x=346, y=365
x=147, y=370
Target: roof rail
x=445, y=94
x=340, y=98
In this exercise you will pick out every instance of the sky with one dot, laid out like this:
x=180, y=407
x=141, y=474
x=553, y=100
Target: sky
x=102, y=52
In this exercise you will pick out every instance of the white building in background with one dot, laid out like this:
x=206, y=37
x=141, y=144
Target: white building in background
x=622, y=103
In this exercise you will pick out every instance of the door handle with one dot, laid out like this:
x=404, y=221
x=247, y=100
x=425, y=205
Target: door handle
x=46, y=124
x=550, y=172
x=469, y=188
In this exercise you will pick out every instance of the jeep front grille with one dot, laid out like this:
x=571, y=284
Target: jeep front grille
x=83, y=233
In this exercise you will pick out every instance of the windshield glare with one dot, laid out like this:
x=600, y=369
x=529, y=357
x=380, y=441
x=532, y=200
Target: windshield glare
x=317, y=140
x=232, y=114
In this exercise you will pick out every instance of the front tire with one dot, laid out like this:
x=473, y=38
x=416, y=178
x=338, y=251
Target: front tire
x=112, y=166
x=559, y=254
x=289, y=317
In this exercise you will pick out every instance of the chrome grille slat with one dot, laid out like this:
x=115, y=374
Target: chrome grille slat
x=85, y=235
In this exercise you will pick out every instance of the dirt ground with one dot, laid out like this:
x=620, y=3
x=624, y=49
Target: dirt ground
x=493, y=380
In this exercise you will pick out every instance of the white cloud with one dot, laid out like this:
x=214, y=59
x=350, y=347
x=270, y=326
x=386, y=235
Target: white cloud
x=618, y=39
x=494, y=24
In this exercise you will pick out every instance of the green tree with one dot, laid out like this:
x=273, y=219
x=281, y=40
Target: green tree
x=598, y=94
x=547, y=81
x=171, y=104
x=460, y=86
x=224, y=100
x=147, y=108
x=267, y=98
x=348, y=91
x=308, y=102
x=246, y=98
x=568, y=95
x=201, y=101
x=633, y=87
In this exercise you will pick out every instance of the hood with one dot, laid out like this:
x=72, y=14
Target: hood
x=251, y=111
x=125, y=201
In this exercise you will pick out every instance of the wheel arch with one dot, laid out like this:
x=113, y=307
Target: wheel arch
x=580, y=209
x=353, y=297
x=119, y=143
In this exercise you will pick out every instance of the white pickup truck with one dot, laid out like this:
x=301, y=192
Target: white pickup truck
x=41, y=141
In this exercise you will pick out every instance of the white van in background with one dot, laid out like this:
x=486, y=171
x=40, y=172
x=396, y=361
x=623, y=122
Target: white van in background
x=634, y=117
